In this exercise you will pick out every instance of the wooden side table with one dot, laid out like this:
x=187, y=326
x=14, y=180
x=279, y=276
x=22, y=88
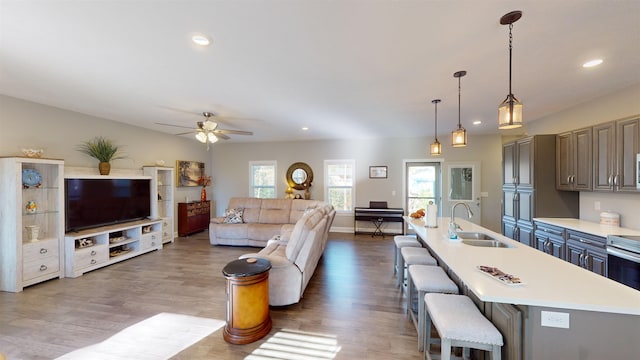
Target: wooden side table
x=247, y=292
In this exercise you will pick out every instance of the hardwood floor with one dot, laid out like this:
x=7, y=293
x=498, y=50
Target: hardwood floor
x=352, y=296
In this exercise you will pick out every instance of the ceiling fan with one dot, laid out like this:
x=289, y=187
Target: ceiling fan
x=208, y=132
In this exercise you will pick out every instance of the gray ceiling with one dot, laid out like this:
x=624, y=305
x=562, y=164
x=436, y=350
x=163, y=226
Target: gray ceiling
x=345, y=69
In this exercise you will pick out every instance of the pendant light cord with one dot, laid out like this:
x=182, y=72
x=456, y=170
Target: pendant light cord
x=459, y=125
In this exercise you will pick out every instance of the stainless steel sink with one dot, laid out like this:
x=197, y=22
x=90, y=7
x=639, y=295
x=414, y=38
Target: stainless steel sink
x=474, y=236
x=485, y=243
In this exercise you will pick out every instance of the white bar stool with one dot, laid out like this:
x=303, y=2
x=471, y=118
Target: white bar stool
x=401, y=241
x=413, y=256
x=459, y=323
x=425, y=279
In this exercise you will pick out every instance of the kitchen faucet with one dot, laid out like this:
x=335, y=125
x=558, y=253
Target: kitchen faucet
x=453, y=227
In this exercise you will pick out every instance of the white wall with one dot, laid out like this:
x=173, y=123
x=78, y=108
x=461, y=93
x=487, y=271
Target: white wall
x=25, y=124
x=231, y=168
x=622, y=104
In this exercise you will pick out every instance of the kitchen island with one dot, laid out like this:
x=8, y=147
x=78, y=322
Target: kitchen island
x=560, y=311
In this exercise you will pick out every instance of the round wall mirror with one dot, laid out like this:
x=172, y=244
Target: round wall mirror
x=299, y=176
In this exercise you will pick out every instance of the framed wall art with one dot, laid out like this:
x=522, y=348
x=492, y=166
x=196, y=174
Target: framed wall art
x=377, y=172
x=188, y=172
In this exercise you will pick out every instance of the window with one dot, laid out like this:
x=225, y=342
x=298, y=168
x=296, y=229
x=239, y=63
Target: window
x=422, y=185
x=340, y=184
x=263, y=179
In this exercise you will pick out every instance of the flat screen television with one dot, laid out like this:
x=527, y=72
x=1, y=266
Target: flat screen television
x=97, y=202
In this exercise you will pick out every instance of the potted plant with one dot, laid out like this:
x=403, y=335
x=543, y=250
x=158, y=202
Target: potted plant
x=204, y=181
x=102, y=149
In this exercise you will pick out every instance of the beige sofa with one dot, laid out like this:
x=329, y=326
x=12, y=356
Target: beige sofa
x=294, y=255
x=262, y=219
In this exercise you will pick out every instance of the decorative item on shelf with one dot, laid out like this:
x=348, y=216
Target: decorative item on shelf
x=32, y=153
x=510, y=111
x=459, y=136
x=31, y=178
x=289, y=193
x=204, y=181
x=31, y=207
x=146, y=229
x=307, y=193
x=83, y=243
x=33, y=231
x=436, y=147
x=102, y=149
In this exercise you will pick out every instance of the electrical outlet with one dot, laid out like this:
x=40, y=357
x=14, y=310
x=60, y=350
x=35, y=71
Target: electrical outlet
x=596, y=205
x=554, y=319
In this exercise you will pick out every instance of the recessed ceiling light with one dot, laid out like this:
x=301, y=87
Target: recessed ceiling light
x=477, y=122
x=304, y=128
x=592, y=63
x=200, y=40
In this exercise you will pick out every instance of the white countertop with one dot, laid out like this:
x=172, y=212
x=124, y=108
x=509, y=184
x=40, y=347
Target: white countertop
x=548, y=281
x=589, y=227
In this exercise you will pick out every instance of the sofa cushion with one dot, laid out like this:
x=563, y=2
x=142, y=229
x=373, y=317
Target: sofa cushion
x=275, y=211
x=251, y=208
x=263, y=231
x=299, y=207
x=233, y=216
x=231, y=231
x=300, y=233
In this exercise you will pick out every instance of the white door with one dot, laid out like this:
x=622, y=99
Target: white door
x=462, y=183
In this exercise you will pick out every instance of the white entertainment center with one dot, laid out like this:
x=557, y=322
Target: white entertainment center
x=33, y=244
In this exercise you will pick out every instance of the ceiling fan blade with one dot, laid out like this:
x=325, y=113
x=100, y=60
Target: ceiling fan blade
x=186, y=127
x=234, y=132
x=221, y=136
x=185, y=133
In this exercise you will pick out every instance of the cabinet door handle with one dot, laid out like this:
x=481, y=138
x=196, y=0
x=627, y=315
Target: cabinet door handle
x=610, y=180
x=93, y=261
x=581, y=260
x=43, y=251
x=615, y=180
x=586, y=261
x=93, y=253
x=43, y=267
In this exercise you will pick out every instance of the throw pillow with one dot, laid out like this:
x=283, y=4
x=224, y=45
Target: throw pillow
x=233, y=216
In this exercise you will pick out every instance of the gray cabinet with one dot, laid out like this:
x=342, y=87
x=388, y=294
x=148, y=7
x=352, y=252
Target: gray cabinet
x=604, y=156
x=529, y=188
x=574, y=160
x=550, y=239
x=587, y=251
x=627, y=147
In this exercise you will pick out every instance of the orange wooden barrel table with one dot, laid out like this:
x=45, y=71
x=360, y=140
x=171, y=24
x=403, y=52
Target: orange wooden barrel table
x=247, y=292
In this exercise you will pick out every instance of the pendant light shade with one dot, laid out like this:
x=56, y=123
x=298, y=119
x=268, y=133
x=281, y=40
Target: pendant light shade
x=510, y=111
x=459, y=136
x=436, y=147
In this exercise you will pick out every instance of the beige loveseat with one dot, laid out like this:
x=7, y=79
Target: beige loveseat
x=294, y=255
x=262, y=219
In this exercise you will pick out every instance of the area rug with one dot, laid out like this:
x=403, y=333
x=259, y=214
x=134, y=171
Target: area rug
x=158, y=337
x=297, y=345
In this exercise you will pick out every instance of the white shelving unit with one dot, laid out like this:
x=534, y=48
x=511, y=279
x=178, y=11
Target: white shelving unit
x=25, y=261
x=94, y=248
x=162, y=198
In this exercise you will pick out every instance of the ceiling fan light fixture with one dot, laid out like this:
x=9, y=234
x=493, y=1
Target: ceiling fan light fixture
x=510, y=111
x=201, y=136
x=212, y=138
x=459, y=136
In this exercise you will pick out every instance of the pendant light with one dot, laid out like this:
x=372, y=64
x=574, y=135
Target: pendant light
x=436, y=147
x=510, y=111
x=459, y=136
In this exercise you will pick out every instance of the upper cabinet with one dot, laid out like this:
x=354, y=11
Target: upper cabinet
x=574, y=160
x=31, y=221
x=517, y=163
x=615, y=147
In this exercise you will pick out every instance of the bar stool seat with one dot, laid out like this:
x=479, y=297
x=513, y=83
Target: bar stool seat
x=401, y=241
x=425, y=279
x=413, y=256
x=459, y=323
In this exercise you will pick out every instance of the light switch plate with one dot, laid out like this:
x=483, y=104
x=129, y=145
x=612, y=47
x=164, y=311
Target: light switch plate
x=554, y=319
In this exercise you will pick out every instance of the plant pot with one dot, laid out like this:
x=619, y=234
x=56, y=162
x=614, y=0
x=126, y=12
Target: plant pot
x=104, y=168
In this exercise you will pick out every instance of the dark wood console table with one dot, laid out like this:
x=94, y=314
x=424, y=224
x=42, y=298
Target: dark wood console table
x=193, y=217
x=377, y=217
